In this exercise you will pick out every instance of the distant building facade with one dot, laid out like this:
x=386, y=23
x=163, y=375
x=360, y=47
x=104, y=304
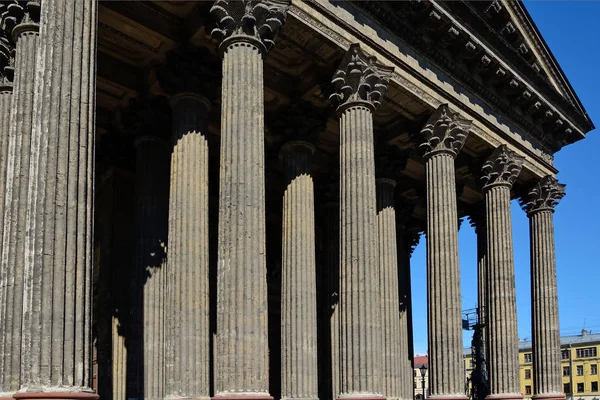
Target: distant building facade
x=579, y=367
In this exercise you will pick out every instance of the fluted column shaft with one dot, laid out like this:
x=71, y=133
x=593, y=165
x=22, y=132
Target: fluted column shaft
x=58, y=264
x=152, y=199
x=405, y=355
x=547, y=374
x=15, y=199
x=242, y=362
x=298, y=283
x=392, y=337
x=360, y=305
x=501, y=314
x=188, y=340
x=446, y=376
x=6, y=90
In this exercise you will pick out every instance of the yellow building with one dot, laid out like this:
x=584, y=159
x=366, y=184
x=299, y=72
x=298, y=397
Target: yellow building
x=579, y=365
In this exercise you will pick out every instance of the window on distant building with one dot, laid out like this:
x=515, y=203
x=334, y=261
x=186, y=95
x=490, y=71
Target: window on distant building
x=414, y=385
x=471, y=363
x=414, y=373
x=527, y=374
x=528, y=389
x=564, y=354
x=594, y=369
x=580, y=387
x=586, y=352
x=580, y=370
x=566, y=372
x=567, y=388
x=595, y=386
x=528, y=357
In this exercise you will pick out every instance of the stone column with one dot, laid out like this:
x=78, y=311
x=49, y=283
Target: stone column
x=247, y=30
x=480, y=357
x=188, y=76
x=56, y=340
x=406, y=240
x=499, y=173
x=444, y=135
x=6, y=89
x=298, y=283
x=148, y=120
x=359, y=85
x=539, y=204
x=394, y=340
x=21, y=22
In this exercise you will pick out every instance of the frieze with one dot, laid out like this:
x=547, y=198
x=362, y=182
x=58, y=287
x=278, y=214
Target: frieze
x=326, y=31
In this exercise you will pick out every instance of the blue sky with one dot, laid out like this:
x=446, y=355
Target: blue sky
x=572, y=31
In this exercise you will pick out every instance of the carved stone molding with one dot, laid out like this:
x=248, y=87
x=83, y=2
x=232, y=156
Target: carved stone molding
x=192, y=70
x=7, y=60
x=360, y=79
x=19, y=16
x=501, y=168
x=444, y=132
x=257, y=21
x=543, y=196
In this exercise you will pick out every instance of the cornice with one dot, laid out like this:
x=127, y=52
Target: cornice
x=474, y=62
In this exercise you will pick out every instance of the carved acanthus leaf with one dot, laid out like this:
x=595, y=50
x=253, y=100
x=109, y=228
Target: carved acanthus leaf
x=360, y=79
x=7, y=59
x=17, y=12
x=502, y=167
x=444, y=132
x=259, y=19
x=190, y=70
x=544, y=195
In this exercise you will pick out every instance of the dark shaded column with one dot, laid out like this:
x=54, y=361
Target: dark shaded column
x=539, y=203
x=149, y=122
x=21, y=23
x=247, y=30
x=298, y=285
x=359, y=85
x=56, y=342
x=7, y=59
x=444, y=135
x=499, y=173
x=189, y=76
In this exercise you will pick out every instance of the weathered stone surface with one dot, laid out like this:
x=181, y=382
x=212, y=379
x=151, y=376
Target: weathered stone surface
x=393, y=340
x=251, y=21
x=247, y=29
x=499, y=172
x=444, y=135
x=58, y=264
x=20, y=22
x=6, y=89
x=539, y=204
x=299, y=373
x=359, y=83
x=187, y=323
x=148, y=120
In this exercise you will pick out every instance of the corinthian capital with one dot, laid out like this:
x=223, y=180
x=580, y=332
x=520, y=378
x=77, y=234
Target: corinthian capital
x=19, y=16
x=257, y=21
x=544, y=195
x=501, y=168
x=444, y=132
x=7, y=60
x=360, y=79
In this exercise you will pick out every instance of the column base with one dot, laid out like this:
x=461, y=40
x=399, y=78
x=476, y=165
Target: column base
x=549, y=396
x=359, y=396
x=55, y=396
x=507, y=396
x=242, y=396
x=446, y=396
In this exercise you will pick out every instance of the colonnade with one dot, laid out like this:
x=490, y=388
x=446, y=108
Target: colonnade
x=45, y=291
